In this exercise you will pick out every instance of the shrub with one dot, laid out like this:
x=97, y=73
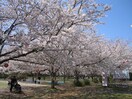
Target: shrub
x=21, y=76
x=95, y=80
x=86, y=82
x=110, y=79
x=100, y=79
x=3, y=75
x=78, y=83
x=130, y=74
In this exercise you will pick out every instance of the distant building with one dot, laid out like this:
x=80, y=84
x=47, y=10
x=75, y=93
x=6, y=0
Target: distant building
x=120, y=74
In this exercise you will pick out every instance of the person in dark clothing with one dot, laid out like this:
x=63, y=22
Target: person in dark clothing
x=13, y=83
x=39, y=78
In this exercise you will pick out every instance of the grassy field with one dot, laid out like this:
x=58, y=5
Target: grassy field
x=3, y=84
x=67, y=91
x=108, y=96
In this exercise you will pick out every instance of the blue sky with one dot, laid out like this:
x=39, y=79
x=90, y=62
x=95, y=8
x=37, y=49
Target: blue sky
x=118, y=21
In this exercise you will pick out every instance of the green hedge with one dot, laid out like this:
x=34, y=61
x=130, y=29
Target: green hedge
x=86, y=82
x=78, y=83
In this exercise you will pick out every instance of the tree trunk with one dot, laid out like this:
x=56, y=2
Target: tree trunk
x=64, y=78
x=53, y=80
x=52, y=83
x=32, y=77
x=76, y=75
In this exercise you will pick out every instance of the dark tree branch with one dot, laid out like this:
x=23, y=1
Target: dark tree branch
x=29, y=52
x=27, y=61
x=7, y=53
x=97, y=62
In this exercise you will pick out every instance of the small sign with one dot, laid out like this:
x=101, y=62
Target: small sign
x=6, y=65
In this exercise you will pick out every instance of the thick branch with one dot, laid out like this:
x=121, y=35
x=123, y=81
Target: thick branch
x=97, y=62
x=7, y=53
x=27, y=61
x=17, y=56
x=29, y=52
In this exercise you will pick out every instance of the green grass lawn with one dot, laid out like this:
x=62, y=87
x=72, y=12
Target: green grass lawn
x=67, y=91
x=3, y=84
x=107, y=96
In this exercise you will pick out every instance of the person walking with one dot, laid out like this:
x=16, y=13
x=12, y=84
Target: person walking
x=13, y=82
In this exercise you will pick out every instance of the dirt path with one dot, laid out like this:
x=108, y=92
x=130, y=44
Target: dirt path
x=31, y=84
x=26, y=84
x=28, y=90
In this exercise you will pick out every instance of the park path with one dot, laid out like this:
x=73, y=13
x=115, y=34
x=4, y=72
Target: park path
x=25, y=84
x=27, y=90
x=31, y=84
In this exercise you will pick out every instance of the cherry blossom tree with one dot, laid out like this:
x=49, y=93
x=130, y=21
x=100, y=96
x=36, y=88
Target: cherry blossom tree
x=27, y=23
x=52, y=29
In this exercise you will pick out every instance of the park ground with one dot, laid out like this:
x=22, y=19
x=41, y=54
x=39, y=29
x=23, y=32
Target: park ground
x=67, y=91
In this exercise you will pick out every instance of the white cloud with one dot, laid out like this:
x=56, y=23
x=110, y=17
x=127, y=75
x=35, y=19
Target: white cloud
x=131, y=25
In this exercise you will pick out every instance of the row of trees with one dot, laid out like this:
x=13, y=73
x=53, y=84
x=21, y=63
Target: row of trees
x=27, y=23
x=80, y=55
x=83, y=55
x=60, y=36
